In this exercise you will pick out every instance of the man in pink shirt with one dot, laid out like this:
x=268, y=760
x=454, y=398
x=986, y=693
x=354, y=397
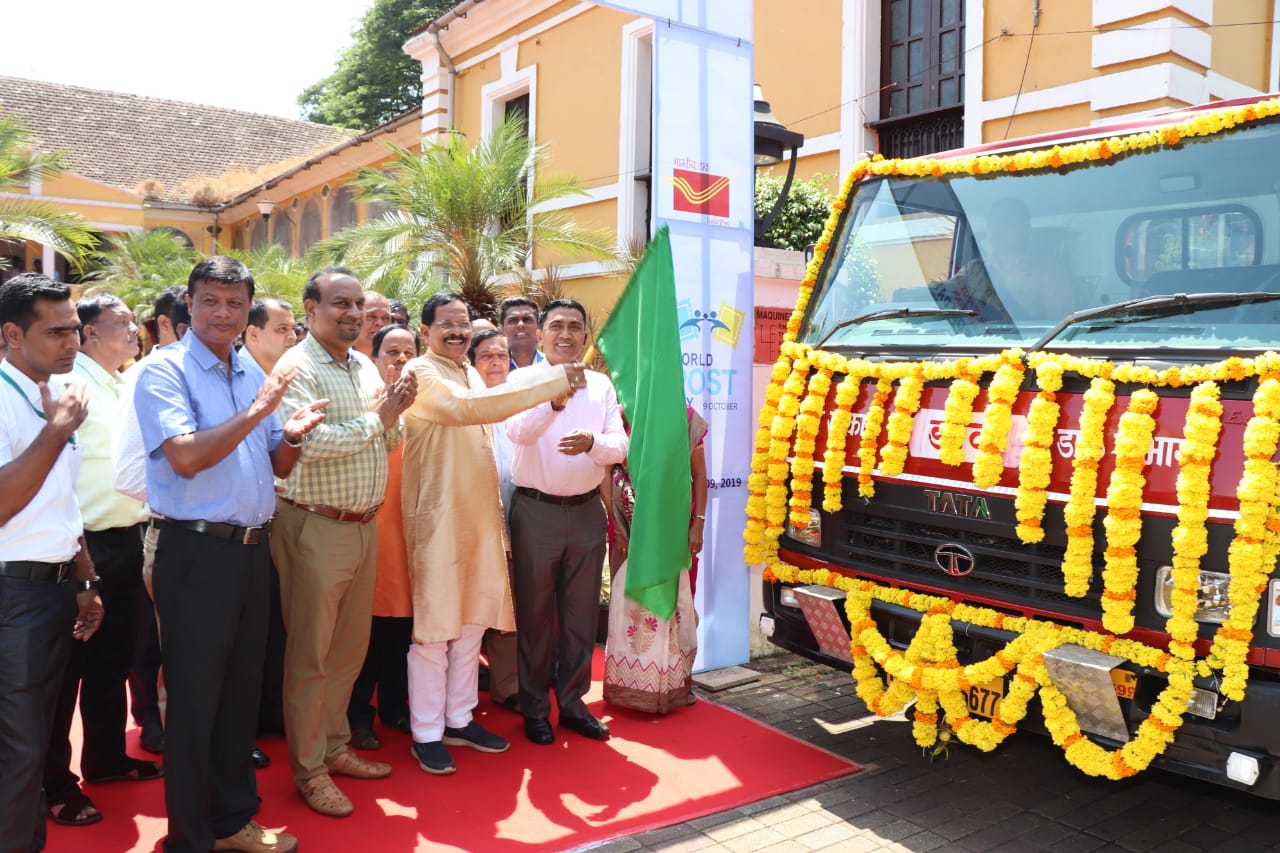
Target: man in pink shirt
x=563, y=450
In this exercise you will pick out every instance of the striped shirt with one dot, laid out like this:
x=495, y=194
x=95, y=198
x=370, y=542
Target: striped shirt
x=344, y=459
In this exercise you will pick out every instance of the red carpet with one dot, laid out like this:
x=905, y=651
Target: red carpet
x=653, y=772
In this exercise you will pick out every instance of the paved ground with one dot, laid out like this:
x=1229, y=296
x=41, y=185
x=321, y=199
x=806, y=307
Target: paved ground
x=1022, y=797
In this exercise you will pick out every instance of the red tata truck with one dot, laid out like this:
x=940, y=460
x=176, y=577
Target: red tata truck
x=1140, y=258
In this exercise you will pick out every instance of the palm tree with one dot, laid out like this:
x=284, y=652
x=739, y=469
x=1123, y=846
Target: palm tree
x=465, y=214
x=276, y=273
x=29, y=219
x=137, y=265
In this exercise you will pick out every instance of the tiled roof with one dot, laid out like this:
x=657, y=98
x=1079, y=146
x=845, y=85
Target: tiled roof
x=123, y=140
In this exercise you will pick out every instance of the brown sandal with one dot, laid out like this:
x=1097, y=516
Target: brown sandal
x=325, y=797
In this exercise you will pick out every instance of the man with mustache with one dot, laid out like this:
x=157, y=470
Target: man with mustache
x=455, y=528
x=325, y=542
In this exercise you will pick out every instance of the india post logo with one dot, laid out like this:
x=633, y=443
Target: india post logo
x=700, y=192
x=724, y=322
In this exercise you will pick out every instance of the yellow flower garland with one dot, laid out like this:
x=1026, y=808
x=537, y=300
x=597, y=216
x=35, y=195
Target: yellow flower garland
x=1190, y=537
x=871, y=438
x=1080, y=509
x=1123, y=522
x=837, y=438
x=1035, y=467
x=1252, y=553
x=906, y=402
x=957, y=414
x=807, y=424
x=988, y=467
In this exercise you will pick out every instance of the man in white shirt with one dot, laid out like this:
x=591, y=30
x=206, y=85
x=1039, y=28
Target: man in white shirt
x=97, y=671
x=271, y=332
x=46, y=574
x=563, y=450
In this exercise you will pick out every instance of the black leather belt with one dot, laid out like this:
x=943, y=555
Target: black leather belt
x=239, y=535
x=37, y=571
x=562, y=500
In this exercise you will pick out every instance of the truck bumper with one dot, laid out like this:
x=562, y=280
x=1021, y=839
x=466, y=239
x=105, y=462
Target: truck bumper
x=1241, y=742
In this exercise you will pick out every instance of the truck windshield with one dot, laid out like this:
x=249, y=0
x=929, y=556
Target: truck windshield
x=1000, y=261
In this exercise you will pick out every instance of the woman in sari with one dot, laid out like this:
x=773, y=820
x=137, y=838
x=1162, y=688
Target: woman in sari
x=649, y=660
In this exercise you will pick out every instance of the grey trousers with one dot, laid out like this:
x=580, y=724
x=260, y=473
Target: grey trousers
x=558, y=553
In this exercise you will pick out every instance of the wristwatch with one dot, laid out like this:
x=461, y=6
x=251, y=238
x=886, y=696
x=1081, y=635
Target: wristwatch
x=89, y=585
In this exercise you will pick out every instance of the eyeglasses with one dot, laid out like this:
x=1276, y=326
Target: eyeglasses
x=453, y=327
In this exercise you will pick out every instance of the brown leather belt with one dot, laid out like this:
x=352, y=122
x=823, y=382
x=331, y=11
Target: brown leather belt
x=562, y=500
x=333, y=512
x=219, y=530
x=36, y=570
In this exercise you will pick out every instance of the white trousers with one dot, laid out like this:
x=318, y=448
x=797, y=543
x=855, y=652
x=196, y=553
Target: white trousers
x=443, y=684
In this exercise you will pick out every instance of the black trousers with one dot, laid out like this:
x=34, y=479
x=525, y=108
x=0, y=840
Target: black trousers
x=386, y=667
x=99, y=669
x=36, y=617
x=144, y=672
x=558, y=555
x=211, y=595
x=271, y=705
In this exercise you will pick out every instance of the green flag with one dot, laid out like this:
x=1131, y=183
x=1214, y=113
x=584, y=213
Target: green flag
x=641, y=344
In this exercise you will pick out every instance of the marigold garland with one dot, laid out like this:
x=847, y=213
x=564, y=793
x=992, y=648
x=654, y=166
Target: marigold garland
x=1123, y=521
x=906, y=402
x=802, y=465
x=1080, y=509
x=1190, y=537
x=837, y=437
x=957, y=414
x=988, y=467
x=1252, y=554
x=1035, y=466
x=871, y=438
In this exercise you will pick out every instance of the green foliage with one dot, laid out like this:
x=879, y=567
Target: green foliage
x=30, y=219
x=276, y=273
x=375, y=80
x=462, y=215
x=137, y=265
x=800, y=221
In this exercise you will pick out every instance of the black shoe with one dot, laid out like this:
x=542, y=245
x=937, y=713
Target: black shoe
x=587, y=726
x=477, y=737
x=152, y=740
x=402, y=725
x=433, y=757
x=511, y=703
x=365, y=739
x=260, y=759
x=538, y=730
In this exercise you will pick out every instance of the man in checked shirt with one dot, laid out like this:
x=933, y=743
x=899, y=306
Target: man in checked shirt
x=325, y=542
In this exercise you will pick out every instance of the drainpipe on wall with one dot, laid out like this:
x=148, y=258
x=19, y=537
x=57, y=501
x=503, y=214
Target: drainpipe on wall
x=453, y=70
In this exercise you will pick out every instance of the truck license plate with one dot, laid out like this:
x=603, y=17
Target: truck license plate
x=984, y=699
x=1125, y=682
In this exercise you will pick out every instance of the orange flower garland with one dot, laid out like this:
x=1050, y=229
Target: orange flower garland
x=1077, y=564
x=988, y=467
x=871, y=439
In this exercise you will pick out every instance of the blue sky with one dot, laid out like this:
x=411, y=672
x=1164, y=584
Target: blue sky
x=254, y=55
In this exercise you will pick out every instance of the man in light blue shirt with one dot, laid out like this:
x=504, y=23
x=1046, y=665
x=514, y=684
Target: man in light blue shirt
x=213, y=442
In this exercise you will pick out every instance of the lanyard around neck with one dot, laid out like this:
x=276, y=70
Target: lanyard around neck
x=14, y=385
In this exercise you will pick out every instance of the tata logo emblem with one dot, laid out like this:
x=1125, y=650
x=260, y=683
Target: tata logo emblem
x=955, y=560
x=951, y=503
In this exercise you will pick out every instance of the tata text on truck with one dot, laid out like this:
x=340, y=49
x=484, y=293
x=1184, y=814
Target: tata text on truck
x=1017, y=460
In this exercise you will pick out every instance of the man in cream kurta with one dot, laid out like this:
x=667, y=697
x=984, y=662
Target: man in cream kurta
x=455, y=527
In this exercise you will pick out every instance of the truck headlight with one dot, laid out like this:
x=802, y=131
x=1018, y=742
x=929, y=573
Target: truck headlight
x=811, y=533
x=1212, y=600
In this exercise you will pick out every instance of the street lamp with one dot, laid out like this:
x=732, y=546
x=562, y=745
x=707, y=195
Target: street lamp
x=265, y=209
x=772, y=141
